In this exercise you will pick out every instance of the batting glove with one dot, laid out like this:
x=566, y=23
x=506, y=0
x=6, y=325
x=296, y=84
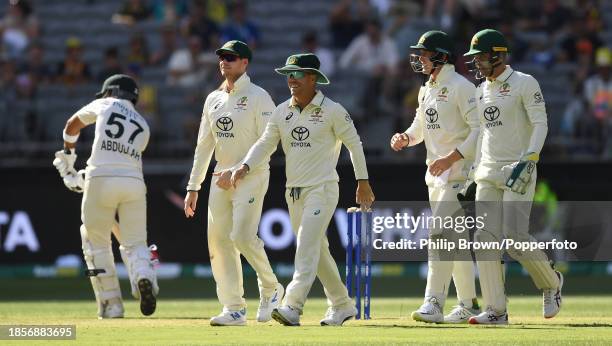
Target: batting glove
x=64, y=161
x=75, y=181
x=520, y=173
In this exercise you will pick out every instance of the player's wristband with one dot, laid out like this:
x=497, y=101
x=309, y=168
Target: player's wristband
x=248, y=167
x=70, y=139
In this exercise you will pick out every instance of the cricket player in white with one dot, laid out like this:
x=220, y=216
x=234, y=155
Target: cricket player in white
x=514, y=126
x=447, y=122
x=113, y=185
x=311, y=129
x=233, y=118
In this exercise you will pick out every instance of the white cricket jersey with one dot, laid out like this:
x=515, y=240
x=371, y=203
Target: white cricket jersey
x=120, y=138
x=446, y=120
x=513, y=118
x=311, y=139
x=231, y=123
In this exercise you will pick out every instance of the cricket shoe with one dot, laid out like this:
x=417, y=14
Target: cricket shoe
x=148, y=302
x=286, y=315
x=460, y=314
x=112, y=308
x=267, y=304
x=337, y=316
x=230, y=318
x=489, y=317
x=429, y=312
x=552, y=299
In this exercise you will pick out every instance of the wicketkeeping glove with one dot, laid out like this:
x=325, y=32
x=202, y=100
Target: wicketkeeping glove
x=519, y=173
x=64, y=161
x=75, y=181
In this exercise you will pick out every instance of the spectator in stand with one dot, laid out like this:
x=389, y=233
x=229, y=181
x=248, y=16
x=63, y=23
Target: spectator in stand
x=446, y=17
x=147, y=101
x=199, y=24
x=239, y=27
x=519, y=46
x=192, y=66
x=375, y=55
x=598, y=88
x=131, y=12
x=402, y=28
x=18, y=27
x=553, y=17
x=35, y=66
x=598, y=96
x=168, y=40
x=7, y=77
x=73, y=70
x=169, y=11
x=574, y=114
x=371, y=52
x=581, y=41
x=138, y=54
x=112, y=64
x=217, y=10
x=310, y=44
x=347, y=21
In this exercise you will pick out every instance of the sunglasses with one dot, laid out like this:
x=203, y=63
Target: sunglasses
x=296, y=74
x=228, y=57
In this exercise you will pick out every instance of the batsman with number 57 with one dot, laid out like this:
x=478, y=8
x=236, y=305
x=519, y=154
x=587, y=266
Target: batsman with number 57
x=113, y=185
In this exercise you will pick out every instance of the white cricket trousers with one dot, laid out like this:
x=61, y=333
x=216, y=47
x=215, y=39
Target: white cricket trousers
x=105, y=197
x=441, y=269
x=233, y=221
x=311, y=209
x=507, y=216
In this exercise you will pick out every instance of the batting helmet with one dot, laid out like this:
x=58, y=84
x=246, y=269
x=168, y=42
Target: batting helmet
x=120, y=86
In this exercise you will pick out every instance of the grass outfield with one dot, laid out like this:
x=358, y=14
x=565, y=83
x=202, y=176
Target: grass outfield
x=186, y=304
x=583, y=320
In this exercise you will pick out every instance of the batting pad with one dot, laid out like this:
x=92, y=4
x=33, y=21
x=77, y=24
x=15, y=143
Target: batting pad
x=137, y=260
x=541, y=272
x=101, y=265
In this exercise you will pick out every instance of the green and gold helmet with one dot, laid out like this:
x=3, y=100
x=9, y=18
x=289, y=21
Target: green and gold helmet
x=435, y=41
x=488, y=41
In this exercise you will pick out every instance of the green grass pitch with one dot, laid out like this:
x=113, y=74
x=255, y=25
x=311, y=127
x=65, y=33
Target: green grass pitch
x=585, y=319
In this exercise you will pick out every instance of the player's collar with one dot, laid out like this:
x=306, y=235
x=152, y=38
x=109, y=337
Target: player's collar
x=445, y=73
x=503, y=77
x=241, y=82
x=316, y=100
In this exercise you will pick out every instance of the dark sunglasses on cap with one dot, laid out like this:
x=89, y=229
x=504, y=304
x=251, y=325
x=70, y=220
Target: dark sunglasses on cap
x=228, y=57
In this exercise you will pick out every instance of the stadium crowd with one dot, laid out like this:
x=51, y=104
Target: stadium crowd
x=363, y=43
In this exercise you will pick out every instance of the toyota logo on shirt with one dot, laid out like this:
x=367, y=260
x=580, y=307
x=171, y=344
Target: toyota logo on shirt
x=431, y=115
x=300, y=133
x=491, y=113
x=225, y=124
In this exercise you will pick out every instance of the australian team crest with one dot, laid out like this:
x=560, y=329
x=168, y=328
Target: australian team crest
x=442, y=95
x=504, y=90
x=316, y=116
x=242, y=103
